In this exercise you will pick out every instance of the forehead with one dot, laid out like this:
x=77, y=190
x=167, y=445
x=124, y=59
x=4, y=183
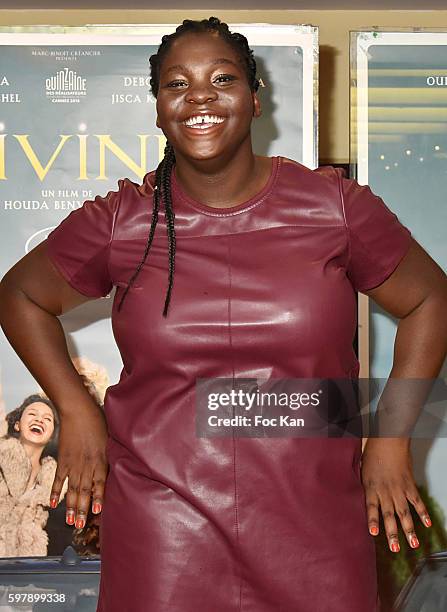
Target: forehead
x=199, y=48
x=39, y=406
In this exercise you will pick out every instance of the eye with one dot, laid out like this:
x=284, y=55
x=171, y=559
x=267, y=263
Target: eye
x=177, y=83
x=224, y=78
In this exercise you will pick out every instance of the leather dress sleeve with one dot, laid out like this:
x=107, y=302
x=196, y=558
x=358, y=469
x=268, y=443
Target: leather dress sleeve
x=79, y=246
x=377, y=239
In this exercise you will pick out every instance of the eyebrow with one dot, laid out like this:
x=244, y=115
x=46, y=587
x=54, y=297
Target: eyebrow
x=215, y=62
x=33, y=411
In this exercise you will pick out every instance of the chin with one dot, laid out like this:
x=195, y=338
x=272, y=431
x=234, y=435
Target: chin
x=197, y=150
x=31, y=440
x=203, y=155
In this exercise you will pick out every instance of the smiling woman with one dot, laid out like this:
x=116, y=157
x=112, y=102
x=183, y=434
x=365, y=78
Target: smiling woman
x=26, y=478
x=190, y=90
x=268, y=257
x=219, y=81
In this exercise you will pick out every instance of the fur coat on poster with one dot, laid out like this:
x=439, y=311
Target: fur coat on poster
x=23, y=513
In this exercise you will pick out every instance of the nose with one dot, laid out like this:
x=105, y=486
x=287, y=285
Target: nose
x=200, y=94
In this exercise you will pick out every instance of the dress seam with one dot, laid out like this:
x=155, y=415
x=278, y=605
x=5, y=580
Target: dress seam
x=112, y=232
x=263, y=229
x=346, y=226
x=236, y=507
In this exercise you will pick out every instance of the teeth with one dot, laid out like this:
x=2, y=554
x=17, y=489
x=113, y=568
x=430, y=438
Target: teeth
x=38, y=427
x=202, y=121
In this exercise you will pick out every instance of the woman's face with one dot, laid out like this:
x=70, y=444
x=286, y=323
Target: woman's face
x=205, y=105
x=36, y=424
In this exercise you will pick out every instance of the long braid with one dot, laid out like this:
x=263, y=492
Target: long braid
x=169, y=162
x=154, y=221
x=162, y=189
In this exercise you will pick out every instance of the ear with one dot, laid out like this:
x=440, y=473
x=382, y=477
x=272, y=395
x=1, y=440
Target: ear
x=257, y=111
x=17, y=426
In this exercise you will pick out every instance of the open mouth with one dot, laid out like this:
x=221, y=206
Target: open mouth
x=203, y=122
x=37, y=429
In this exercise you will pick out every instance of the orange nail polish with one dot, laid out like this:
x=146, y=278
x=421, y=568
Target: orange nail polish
x=80, y=523
x=70, y=518
x=395, y=547
x=96, y=508
x=53, y=502
x=373, y=530
x=414, y=542
x=427, y=521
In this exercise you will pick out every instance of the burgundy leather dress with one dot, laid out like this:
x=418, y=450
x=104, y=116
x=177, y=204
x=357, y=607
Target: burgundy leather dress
x=264, y=289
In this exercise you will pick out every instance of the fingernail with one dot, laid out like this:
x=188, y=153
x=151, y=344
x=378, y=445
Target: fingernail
x=70, y=517
x=395, y=547
x=80, y=523
x=96, y=508
x=53, y=502
x=373, y=530
x=414, y=542
x=427, y=521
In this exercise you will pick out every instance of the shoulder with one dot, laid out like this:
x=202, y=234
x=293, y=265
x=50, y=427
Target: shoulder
x=323, y=175
x=128, y=187
x=130, y=191
x=14, y=465
x=10, y=449
x=135, y=208
x=312, y=197
x=324, y=181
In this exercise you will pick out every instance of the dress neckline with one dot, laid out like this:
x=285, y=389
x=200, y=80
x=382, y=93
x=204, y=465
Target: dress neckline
x=213, y=211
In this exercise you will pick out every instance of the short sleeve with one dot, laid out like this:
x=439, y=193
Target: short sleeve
x=377, y=239
x=79, y=246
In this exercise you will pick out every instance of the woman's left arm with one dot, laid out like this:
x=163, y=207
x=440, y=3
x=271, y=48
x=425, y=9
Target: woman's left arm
x=416, y=294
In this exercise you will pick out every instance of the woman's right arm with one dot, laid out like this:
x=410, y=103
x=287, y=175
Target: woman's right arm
x=32, y=296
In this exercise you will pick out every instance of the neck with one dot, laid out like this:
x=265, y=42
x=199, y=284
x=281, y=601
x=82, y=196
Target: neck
x=33, y=453
x=219, y=182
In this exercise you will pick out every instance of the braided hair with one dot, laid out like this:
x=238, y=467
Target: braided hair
x=162, y=188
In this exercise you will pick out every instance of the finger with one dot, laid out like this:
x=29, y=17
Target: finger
x=404, y=514
x=389, y=521
x=85, y=491
x=99, y=480
x=56, y=489
x=71, y=499
x=416, y=501
x=372, y=511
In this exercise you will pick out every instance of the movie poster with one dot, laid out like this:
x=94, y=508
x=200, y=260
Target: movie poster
x=399, y=148
x=76, y=115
